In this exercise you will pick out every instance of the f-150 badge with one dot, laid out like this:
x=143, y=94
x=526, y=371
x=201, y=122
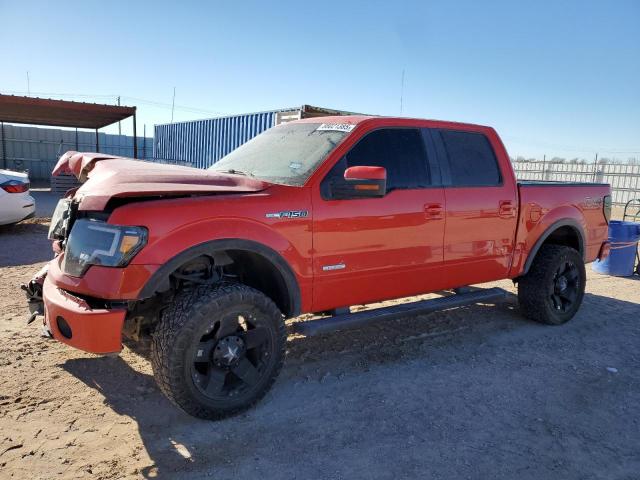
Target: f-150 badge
x=288, y=214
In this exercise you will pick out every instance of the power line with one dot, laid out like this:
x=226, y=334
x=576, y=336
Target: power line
x=569, y=148
x=114, y=98
x=171, y=105
x=32, y=94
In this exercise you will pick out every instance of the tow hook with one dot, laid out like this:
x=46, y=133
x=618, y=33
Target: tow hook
x=33, y=291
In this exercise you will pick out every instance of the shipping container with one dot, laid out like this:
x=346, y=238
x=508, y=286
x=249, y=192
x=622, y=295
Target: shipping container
x=201, y=143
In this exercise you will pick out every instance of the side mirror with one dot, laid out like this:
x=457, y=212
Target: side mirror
x=360, y=182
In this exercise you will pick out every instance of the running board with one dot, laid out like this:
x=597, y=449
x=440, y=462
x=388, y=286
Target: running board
x=357, y=319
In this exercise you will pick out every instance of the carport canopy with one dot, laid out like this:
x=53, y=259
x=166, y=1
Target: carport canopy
x=64, y=113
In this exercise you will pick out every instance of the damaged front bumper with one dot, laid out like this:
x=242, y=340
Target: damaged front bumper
x=71, y=320
x=87, y=313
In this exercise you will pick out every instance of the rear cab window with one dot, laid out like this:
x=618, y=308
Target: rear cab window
x=471, y=159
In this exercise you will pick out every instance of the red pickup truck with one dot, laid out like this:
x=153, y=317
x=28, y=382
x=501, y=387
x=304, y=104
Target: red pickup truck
x=311, y=216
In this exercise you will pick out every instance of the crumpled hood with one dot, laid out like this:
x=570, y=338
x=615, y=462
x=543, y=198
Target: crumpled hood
x=109, y=177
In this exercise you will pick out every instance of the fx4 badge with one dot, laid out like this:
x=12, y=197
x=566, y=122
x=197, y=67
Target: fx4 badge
x=590, y=202
x=288, y=214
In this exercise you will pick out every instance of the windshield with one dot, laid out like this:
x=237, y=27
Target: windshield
x=287, y=154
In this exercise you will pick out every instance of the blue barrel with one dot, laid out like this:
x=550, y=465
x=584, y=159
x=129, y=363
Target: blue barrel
x=621, y=261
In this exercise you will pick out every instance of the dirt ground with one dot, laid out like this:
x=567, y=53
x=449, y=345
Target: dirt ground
x=470, y=393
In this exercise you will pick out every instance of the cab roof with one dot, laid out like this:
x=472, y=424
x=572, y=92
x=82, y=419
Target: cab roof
x=387, y=121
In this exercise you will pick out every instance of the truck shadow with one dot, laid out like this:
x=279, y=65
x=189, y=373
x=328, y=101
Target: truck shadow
x=24, y=244
x=181, y=446
x=164, y=430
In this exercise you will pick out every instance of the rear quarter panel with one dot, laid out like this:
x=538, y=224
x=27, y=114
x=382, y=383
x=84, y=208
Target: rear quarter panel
x=543, y=205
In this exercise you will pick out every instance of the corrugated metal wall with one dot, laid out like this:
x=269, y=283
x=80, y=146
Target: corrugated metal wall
x=201, y=143
x=38, y=149
x=624, y=179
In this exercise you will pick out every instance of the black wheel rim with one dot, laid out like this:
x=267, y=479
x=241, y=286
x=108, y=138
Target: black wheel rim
x=565, y=287
x=232, y=356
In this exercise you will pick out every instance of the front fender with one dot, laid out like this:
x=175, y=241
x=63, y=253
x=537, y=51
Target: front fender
x=184, y=225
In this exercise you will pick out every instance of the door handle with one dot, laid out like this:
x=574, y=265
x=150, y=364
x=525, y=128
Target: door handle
x=506, y=209
x=434, y=211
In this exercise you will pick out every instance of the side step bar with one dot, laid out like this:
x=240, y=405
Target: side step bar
x=357, y=319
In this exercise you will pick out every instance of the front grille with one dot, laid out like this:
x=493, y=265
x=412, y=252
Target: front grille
x=94, y=303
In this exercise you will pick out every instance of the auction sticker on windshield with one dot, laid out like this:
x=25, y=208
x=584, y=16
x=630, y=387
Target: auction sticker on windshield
x=335, y=127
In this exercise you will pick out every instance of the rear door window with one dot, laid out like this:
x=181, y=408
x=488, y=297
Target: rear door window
x=472, y=161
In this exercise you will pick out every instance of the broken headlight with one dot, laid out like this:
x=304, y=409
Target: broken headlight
x=92, y=242
x=60, y=220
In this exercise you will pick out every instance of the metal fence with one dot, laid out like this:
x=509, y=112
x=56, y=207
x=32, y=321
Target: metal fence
x=624, y=179
x=37, y=150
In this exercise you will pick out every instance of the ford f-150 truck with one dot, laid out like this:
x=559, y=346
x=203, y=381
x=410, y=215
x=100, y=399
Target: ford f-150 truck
x=312, y=216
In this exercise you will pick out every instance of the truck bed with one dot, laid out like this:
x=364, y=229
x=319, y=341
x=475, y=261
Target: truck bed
x=556, y=183
x=543, y=203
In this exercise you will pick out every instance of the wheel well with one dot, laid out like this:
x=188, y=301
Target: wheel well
x=242, y=266
x=566, y=236
x=258, y=272
x=238, y=260
x=566, y=233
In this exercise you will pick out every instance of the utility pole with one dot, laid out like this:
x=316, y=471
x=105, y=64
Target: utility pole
x=4, y=146
x=28, y=84
x=119, y=127
x=173, y=103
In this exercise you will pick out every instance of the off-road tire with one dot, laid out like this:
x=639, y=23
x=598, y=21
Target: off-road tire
x=179, y=328
x=536, y=287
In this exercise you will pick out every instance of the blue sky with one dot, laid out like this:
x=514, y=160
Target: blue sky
x=560, y=78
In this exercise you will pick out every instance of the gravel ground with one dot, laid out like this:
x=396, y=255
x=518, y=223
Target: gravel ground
x=473, y=392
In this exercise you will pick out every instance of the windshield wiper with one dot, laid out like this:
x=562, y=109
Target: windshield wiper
x=236, y=172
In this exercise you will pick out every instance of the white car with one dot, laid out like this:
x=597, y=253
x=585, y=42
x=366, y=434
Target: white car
x=15, y=202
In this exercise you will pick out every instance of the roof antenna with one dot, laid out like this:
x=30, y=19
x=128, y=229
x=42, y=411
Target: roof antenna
x=401, y=91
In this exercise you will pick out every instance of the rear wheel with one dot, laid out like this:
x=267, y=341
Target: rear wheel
x=217, y=351
x=552, y=291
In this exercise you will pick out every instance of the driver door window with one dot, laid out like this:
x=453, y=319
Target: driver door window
x=400, y=150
